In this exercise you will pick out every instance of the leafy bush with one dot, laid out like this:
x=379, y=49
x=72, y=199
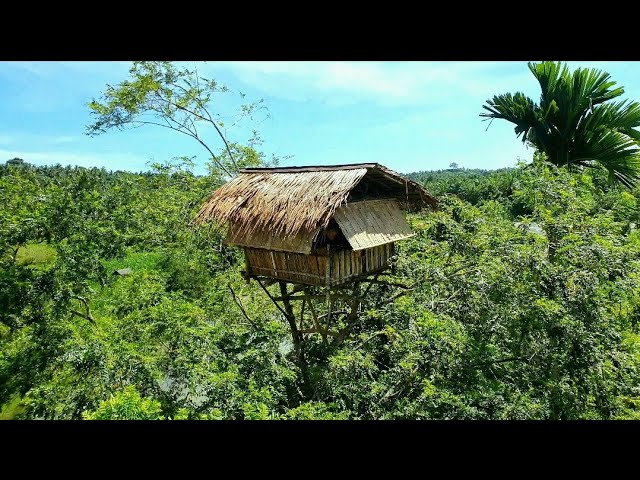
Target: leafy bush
x=126, y=405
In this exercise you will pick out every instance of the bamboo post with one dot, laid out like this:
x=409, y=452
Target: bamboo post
x=350, y=318
x=327, y=272
x=304, y=302
x=316, y=323
x=247, y=267
x=328, y=286
x=297, y=337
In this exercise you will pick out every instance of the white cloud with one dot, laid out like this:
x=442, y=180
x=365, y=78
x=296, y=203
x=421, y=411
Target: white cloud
x=391, y=83
x=19, y=138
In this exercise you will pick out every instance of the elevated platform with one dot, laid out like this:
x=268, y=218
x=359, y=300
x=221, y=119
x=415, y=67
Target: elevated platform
x=321, y=268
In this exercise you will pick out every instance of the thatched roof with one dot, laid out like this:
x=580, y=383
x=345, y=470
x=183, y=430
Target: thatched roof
x=287, y=201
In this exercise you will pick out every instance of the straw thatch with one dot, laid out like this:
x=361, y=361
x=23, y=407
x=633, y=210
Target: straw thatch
x=287, y=201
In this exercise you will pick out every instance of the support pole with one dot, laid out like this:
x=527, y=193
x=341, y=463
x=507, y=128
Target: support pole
x=291, y=318
x=316, y=323
x=353, y=314
x=304, y=303
x=328, y=286
x=329, y=308
x=247, y=267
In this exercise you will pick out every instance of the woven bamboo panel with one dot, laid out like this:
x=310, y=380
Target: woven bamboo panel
x=287, y=266
x=342, y=265
x=300, y=243
x=371, y=223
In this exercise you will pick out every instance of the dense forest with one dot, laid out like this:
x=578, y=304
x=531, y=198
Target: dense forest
x=524, y=304
x=520, y=299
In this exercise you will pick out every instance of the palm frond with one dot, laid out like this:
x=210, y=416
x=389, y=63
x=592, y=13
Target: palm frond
x=515, y=108
x=618, y=153
x=572, y=123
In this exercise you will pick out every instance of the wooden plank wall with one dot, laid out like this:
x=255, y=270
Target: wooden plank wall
x=344, y=265
x=288, y=266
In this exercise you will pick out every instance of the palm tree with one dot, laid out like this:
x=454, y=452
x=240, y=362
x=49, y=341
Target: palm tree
x=575, y=123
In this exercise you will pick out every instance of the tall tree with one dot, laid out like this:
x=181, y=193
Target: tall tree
x=575, y=122
x=163, y=95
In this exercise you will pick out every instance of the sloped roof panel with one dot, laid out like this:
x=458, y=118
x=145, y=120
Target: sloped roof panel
x=370, y=223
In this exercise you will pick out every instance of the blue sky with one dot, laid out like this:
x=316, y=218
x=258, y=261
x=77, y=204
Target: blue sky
x=408, y=116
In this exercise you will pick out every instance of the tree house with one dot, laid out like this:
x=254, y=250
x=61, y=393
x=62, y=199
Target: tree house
x=324, y=230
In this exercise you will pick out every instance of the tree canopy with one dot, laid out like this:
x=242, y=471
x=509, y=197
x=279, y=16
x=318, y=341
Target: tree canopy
x=163, y=95
x=504, y=321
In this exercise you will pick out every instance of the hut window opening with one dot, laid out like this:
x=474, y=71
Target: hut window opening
x=369, y=189
x=332, y=236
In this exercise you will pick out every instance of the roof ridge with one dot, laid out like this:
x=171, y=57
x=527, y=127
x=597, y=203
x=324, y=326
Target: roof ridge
x=310, y=168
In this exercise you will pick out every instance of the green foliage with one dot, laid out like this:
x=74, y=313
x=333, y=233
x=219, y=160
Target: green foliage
x=575, y=123
x=525, y=305
x=36, y=254
x=12, y=410
x=185, y=274
x=126, y=405
x=503, y=322
x=525, y=301
x=136, y=261
x=315, y=411
x=164, y=95
x=474, y=186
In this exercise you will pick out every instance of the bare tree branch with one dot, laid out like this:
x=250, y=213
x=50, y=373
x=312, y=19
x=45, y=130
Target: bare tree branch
x=241, y=307
x=84, y=301
x=210, y=120
x=188, y=133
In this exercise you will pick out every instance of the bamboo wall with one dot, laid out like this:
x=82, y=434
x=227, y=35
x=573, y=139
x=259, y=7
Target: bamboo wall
x=318, y=268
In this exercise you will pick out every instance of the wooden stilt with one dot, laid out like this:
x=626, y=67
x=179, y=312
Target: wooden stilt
x=316, y=323
x=353, y=314
x=289, y=314
x=247, y=267
x=301, y=327
x=329, y=308
x=343, y=303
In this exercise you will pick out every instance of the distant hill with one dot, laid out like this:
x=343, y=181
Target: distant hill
x=428, y=175
x=471, y=184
